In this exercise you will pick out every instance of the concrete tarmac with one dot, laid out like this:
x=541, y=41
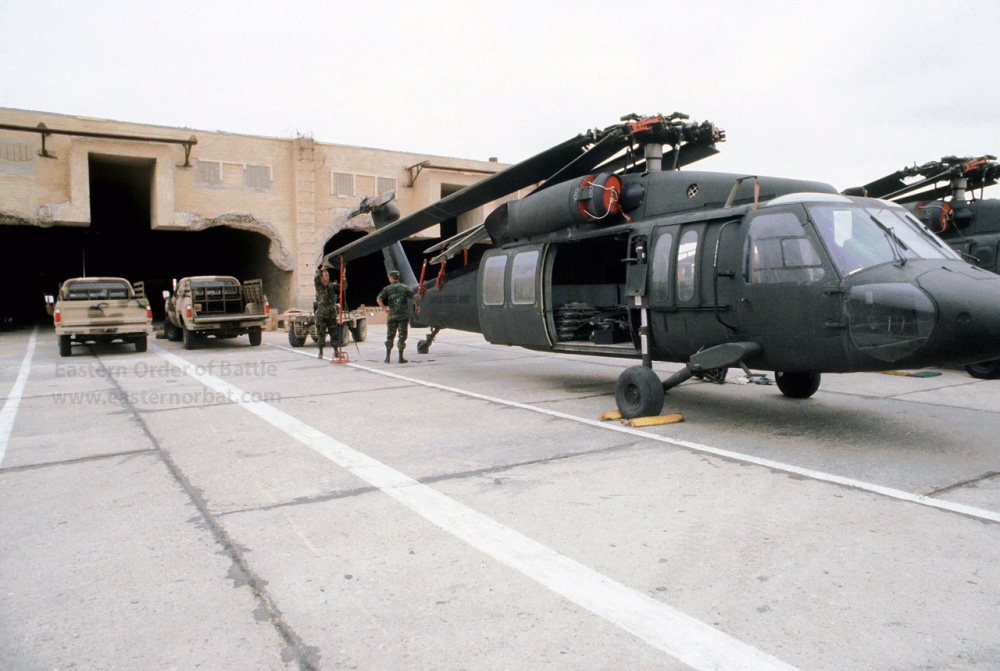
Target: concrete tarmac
x=238, y=507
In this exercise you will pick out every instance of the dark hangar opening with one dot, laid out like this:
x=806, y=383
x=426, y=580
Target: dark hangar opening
x=119, y=243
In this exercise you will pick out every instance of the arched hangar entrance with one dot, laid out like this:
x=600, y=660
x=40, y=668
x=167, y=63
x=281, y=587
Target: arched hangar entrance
x=120, y=242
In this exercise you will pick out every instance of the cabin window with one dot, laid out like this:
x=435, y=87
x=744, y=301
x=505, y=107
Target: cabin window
x=493, y=277
x=780, y=252
x=687, y=256
x=659, y=277
x=523, y=278
x=95, y=291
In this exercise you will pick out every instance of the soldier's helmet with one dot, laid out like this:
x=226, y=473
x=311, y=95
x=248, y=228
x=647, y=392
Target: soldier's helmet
x=394, y=274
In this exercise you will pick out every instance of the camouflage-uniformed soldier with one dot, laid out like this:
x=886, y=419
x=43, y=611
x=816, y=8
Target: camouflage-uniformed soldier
x=327, y=303
x=396, y=297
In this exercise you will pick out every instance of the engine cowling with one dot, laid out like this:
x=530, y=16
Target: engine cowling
x=566, y=204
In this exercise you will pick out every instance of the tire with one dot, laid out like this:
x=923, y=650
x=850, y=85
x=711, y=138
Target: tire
x=255, y=337
x=360, y=332
x=295, y=340
x=985, y=370
x=170, y=330
x=423, y=347
x=190, y=339
x=65, y=345
x=141, y=343
x=797, y=385
x=639, y=393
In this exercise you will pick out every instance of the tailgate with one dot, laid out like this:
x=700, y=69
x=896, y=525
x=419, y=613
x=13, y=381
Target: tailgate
x=103, y=314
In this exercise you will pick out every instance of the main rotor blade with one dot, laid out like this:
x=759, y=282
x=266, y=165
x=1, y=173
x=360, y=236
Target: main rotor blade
x=689, y=153
x=498, y=185
x=606, y=147
x=885, y=185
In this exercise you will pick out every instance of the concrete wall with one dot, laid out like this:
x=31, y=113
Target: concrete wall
x=282, y=188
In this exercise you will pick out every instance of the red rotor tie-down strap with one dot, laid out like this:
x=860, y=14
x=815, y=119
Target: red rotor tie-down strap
x=439, y=282
x=420, y=285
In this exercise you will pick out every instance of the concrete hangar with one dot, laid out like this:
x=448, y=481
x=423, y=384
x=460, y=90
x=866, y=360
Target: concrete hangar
x=99, y=197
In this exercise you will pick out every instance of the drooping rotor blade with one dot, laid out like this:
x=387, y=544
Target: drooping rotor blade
x=507, y=181
x=885, y=185
x=925, y=196
x=606, y=147
x=459, y=239
x=454, y=245
x=980, y=173
x=910, y=188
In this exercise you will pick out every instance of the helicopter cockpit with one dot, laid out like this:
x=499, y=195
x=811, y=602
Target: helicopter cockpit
x=861, y=233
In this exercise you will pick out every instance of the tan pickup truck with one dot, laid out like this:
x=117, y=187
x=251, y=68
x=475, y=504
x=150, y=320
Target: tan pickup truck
x=100, y=310
x=215, y=305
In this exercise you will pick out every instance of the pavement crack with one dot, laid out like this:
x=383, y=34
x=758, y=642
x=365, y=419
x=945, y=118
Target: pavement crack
x=965, y=483
x=431, y=479
x=307, y=658
x=78, y=460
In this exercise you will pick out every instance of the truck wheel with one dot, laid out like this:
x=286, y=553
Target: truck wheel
x=797, y=385
x=295, y=340
x=986, y=370
x=360, y=331
x=171, y=331
x=639, y=393
x=65, y=345
x=190, y=338
x=254, y=335
x=141, y=344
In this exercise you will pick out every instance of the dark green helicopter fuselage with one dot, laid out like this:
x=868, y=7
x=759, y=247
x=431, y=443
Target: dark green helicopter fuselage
x=816, y=281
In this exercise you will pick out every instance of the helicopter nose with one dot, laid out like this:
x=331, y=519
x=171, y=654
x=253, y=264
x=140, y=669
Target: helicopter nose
x=968, y=324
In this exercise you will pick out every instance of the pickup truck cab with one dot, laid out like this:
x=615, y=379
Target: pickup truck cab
x=215, y=305
x=100, y=310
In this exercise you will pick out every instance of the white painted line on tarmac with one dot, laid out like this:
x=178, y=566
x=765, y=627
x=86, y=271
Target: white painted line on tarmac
x=898, y=494
x=9, y=411
x=692, y=642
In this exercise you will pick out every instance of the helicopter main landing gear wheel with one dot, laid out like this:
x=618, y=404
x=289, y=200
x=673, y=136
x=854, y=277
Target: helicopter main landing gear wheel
x=639, y=393
x=986, y=370
x=423, y=346
x=797, y=385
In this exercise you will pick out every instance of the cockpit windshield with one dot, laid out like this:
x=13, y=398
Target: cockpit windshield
x=860, y=236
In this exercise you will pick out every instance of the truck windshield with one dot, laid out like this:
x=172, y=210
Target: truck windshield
x=96, y=291
x=860, y=237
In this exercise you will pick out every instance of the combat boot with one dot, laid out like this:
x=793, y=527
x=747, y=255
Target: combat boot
x=401, y=359
x=388, y=353
x=320, y=355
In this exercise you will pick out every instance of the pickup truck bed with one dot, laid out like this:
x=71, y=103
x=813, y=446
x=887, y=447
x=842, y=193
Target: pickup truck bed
x=101, y=310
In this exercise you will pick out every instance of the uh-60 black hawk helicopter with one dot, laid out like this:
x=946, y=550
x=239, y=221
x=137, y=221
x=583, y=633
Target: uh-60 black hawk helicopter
x=944, y=200
x=610, y=254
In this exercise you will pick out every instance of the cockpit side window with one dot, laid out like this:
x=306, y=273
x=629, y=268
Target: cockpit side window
x=659, y=277
x=779, y=251
x=687, y=265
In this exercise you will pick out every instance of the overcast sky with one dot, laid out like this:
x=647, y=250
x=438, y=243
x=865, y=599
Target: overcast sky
x=842, y=92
